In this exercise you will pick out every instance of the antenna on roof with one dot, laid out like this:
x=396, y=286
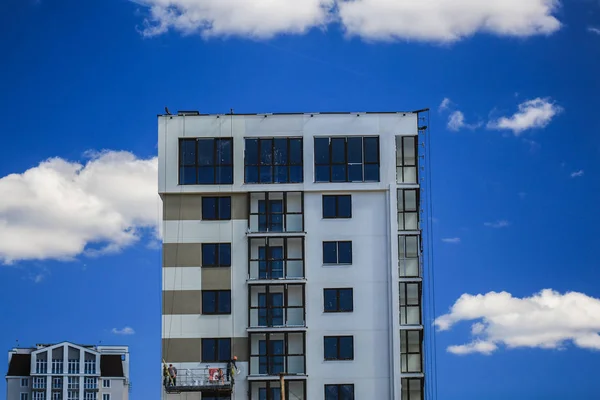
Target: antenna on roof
x=167, y=110
x=17, y=342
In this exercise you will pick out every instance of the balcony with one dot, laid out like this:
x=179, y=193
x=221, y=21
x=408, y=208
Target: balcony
x=277, y=306
x=271, y=389
x=276, y=212
x=276, y=258
x=275, y=353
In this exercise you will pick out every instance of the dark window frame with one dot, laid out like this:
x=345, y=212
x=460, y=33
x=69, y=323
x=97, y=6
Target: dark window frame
x=337, y=308
x=337, y=198
x=217, y=255
x=267, y=290
x=346, y=162
x=339, y=387
x=405, y=304
x=405, y=350
x=338, y=339
x=268, y=337
x=271, y=386
x=218, y=342
x=218, y=204
x=269, y=243
x=403, y=255
x=407, y=383
x=216, y=164
x=403, y=208
x=401, y=162
x=216, y=293
x=289, y=164
x=268, y=214
x=337, y=252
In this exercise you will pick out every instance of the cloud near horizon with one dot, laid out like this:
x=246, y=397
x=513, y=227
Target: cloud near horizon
x=61, y=209
x=546, y=320
x=125, y=331
x=373, y=20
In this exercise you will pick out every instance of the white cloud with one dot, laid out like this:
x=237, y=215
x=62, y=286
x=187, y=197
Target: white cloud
x=435, y=20
x=577, y=174
x=444, y=104
x=60, y=209
x=451, y=240
x=125, y=331
x=536, y=113
x=456, y=120
x=593, y=30
x=547, y=319
x=497, y=224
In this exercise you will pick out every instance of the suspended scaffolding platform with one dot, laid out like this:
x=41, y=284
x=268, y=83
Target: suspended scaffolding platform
x=200, y=380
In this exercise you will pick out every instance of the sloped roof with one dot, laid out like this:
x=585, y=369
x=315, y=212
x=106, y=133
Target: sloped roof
x=20, y=365
x=111, y=366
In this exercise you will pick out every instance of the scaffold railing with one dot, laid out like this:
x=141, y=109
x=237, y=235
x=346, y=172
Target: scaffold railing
x=198, y=380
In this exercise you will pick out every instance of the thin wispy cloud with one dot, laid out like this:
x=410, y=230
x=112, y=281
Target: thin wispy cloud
x=531, y=114
x=577, y=174
x=546, y=320
x=444, y=104
x=125, y=331
x=593, y=29
x=497, y=224
x=453, y=240
x=373, y=20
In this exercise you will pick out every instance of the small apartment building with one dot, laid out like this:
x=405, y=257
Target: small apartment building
x=293, y=242
x=68, y=371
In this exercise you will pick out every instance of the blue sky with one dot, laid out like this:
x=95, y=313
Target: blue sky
x=514, y=149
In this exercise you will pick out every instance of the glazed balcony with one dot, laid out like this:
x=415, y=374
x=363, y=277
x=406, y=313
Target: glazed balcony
x=277, y=306
x=275, y=212
x=275, y=258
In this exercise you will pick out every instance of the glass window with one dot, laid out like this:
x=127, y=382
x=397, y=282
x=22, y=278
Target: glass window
x=406, y=159
x=337, y=252
x=347, y=159
x=206, y=161
x=24, y=382
x=410, y=351
x=216, y=208
x=408, y=256
x=106, y=396
x=408, y=209
x=216, y=302
x=410, y=303
x=216, y=350
x=106, y=383
x=339, y=347
x=412, y=389
x=216, y=254
x=273, y=160
x=337, y=206
x=339, y=392
x=24, y=396
x=338, y=300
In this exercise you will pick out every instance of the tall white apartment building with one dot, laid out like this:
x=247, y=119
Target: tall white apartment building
x=292, y=242
x=68, y=371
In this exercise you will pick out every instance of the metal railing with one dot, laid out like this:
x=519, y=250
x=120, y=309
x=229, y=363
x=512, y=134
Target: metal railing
x=210, y=378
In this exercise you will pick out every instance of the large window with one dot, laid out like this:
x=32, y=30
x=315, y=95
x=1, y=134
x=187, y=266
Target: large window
x=337, y=206
x=90, y=366
x=73, y=382
x=216, y=208
x=41, y=366
x=271, y=390
x=216, y=255
x=275, y=212
x=273, y=160
x=408, y=209
x=39, y=382
x=412, y=388
x=24, y=382
x=408, y=256
x=339, y=347
x=273, y=353
x=38, y=396
x=57, y=382
x=411, y=351
x=56, y=395
x=276, y=257
x=337, y=252
x=72, y=395
x=73, y=366
x=216, y=350
x=106, y=383
x=406, y=159
x=338, y=300
x=216, y=302
x=410, y=303
x=24, y=396
x=90, y=383
x=339, y=392
x=276, y=305
x=206, y=161
x=57, y=366
x=347, y=159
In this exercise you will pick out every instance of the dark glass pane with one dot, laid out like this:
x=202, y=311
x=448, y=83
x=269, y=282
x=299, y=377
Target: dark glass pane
x=330, y=299
x=372, y=172
x=187, y=175
x=276, y=206
x=225, y=254
x=355, y=150
x=262, y=223
x=251, y=152
x=329, y=253
x=225, y=175
x=280, y=152
x=206, y=155
x=295, y=155
x=329, y=206
x=281, y=175
x=338, y=173
x=275, y=394
x=277, y=253
x=251, y=175
x=206, y=175
x=276, y=223
x=321, y=150
x=266, y=151
x=224, y=207
x=262, y=393
x=331, y=392
x=209, y=254
x=277, y=299
x=225, y=302
x=331, y=350
x=209, y=302
x=345, y=252
x=208, y=350
x=346, y=348
x=209, y=208
x=277, y=347
x=371, y=149
x=344, y=206
x=355, y=173
x=296, y=174
x=187, y=152
x=224, y=151
x=266, y=174
x=224, y=350
x=338, y=150
x=346, y=392
x=276, y=269
x=346, y=303
x=322, y=173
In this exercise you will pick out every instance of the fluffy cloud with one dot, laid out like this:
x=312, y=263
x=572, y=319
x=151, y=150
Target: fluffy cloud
x=60, y=209
x=577, y=174
x=434, y=20
x=454, y=240
x=497, y=224
x=536, y=113
x=547, y=320
x=125, y=331
x=456, y=120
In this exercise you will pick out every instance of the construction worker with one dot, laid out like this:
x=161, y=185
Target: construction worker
x=230, y=369
x=173, y=373
x=166, y=375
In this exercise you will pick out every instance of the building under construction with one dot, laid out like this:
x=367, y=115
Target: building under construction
x=293, y=253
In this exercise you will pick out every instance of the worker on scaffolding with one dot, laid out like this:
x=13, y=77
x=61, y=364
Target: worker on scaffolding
x=166, y=376
x=173, y=374
x=231, y=369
